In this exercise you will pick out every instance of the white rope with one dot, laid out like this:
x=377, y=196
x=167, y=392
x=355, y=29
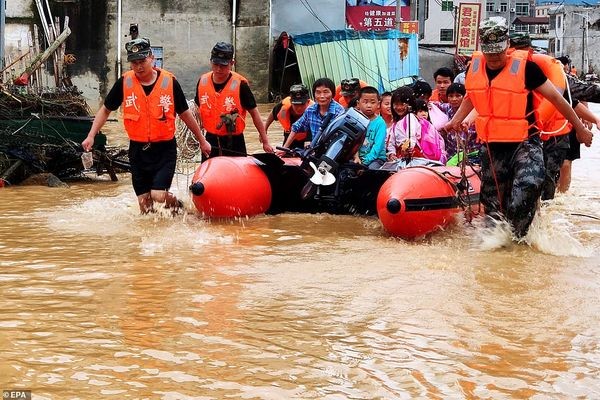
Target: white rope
x=188, y=148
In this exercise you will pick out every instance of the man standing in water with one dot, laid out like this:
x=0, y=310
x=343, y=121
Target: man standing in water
x=150, y=98
x=223, y=98
x=499, y=86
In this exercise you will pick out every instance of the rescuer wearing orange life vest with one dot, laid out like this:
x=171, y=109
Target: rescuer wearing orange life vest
x=554, y=128
x=346, y=93
x=288, y=111
x=499, y=86
x=223, y=98
x=150, y=98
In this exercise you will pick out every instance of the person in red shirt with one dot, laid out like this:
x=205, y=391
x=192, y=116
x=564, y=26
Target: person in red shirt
x=443, y=77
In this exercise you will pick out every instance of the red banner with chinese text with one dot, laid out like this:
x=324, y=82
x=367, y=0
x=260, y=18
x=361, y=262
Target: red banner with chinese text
x=374, y=18
x=467, y=39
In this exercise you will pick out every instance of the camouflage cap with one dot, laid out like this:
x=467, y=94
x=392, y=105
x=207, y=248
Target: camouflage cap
x=298, y=94
x=138, y=49
x=493, y=35
x=222, y=53
x=520, y=40
x=350, y=86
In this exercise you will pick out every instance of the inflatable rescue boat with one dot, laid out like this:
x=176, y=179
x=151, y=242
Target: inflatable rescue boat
x=411, y=197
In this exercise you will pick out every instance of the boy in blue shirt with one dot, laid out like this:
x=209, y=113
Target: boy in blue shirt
x=372, y=152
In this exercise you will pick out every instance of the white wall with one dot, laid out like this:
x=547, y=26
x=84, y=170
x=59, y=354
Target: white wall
x=19, y=8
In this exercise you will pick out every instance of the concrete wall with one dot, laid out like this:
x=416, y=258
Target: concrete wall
x=252, y=45
x=19, y=9
x=187, y=31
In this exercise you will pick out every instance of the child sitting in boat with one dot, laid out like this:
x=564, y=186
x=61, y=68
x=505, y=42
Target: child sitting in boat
x=385, y=110
x=456, y=140
x=404, y=134
x=372, y=152
x=431, y=142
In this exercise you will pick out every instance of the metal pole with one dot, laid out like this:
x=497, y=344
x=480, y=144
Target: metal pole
x=119, y=12
x=583, y=42
x=2, y=19
x=587, y=43
x=398, y=16
x=233, y=25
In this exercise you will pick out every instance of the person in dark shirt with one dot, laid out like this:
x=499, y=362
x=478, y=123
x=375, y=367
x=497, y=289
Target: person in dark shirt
x=499, y=87
x=583, y=92
x=223, y=98
x=151, y=98
x=288, y=111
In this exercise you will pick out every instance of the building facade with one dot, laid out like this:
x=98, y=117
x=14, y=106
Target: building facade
x=575, y=31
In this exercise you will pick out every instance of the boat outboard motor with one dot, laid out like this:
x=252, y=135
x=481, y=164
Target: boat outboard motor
x=337, y=144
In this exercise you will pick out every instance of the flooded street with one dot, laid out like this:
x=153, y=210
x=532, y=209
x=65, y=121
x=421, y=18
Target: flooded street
x=99, y=302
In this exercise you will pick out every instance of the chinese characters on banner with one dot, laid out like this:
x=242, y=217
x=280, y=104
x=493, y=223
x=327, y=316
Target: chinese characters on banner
x=374, y=15
x=468, y=21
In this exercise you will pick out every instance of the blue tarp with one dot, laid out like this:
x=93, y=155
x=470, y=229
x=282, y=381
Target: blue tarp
x=384, y=59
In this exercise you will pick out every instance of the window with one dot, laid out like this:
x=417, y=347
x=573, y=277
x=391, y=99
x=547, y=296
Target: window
x=489, y=6
x=447, y=5
x=503, y=7
x=558, y=49
x=558, y=21
x=521, y=28
x=446, y=35
x=522, y=8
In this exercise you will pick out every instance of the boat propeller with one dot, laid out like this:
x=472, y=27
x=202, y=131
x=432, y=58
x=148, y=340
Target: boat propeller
x=321, y=176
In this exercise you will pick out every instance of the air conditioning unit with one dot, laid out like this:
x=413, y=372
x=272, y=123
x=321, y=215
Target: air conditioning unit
x=513, y=10
x=497, y=10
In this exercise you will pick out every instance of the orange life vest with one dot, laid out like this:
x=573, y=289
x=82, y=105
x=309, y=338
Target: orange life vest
x=501, y=103
x=149, y=118
x=213, y=105
x=548, y=119
x=284, y=117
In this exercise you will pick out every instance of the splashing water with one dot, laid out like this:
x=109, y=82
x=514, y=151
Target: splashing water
x=491, y=234
x=552, y=233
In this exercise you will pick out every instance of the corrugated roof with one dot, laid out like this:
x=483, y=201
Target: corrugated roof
x=383, y=59
x=532, y=20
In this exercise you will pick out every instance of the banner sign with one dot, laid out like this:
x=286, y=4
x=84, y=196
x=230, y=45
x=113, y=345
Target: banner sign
x=468, y=22
x=371, y=16
x=409, y=26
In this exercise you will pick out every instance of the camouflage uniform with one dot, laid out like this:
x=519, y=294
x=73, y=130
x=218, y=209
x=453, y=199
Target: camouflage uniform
x=583, y=91
x=511, y=173
x=520, y=40
x=518, y=170
x=556, y=147
x=555, y=153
